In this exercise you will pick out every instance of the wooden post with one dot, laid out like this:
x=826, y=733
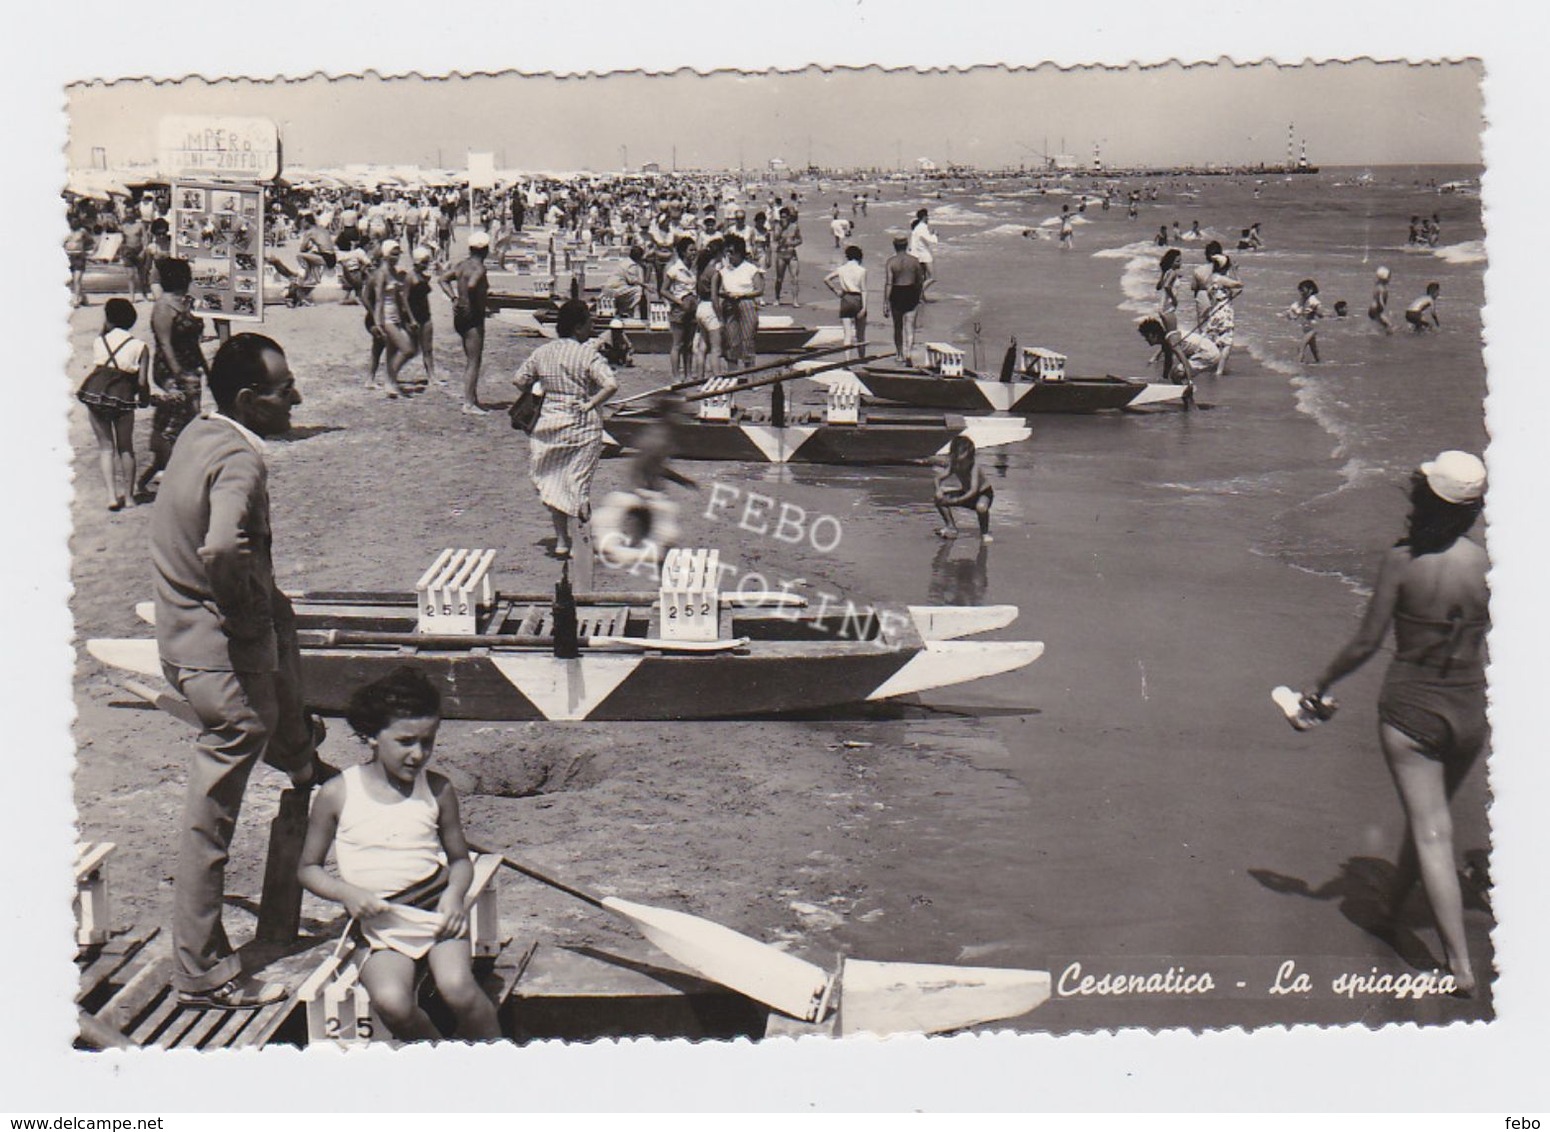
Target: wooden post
x=279, y=909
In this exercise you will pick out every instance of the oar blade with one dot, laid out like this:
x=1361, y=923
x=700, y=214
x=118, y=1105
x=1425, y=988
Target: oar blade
x=929, y=998
x=761, y=972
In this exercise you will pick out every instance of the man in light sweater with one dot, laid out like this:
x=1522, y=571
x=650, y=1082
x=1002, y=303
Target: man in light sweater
x=227, y=640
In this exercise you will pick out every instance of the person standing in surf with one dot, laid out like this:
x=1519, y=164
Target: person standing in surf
x=923, y=248
x=1307, y=310
x=1432, y=724
x=1379, y=310
x=903, y=277
x=1168, y=281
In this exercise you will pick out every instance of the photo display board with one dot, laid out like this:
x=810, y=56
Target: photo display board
x=219, y=229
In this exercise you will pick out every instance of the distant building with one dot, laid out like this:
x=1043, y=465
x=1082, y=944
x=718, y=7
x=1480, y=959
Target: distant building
x=1064, y=161
x=925, y=165
x=651, y=167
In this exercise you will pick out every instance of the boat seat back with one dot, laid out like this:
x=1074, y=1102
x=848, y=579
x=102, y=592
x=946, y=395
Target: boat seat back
x=944, y=359
x=453, y=591
x=91, y=892
x=1043, y=365
x=844, y=399
x=717, y=408
x=690, y=601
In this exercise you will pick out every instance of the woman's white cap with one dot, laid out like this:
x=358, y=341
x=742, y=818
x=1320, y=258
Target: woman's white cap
x=1455, y=477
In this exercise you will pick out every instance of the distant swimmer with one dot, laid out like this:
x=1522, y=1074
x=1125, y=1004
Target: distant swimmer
x=922, y=246
x=1379, y=310
x=1249, y=240
x=1307, y=310
x=1194, y=232
x=1415, y=230
x=1434, y=232
x=1067, y=231
x=1161, y=239
x=1424, y=308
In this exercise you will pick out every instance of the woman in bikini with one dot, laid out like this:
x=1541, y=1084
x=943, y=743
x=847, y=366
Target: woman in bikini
x=1431, y=712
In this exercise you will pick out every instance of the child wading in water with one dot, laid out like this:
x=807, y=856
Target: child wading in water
x=1417, y=313
x=1307, y=310
x=974, y=493
x=1379, y=310
x=394, y=824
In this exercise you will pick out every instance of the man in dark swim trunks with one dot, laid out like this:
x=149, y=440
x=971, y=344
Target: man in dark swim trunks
x=903, y=282
x=467, y=285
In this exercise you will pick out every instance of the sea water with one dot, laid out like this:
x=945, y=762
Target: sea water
x=1318, y=455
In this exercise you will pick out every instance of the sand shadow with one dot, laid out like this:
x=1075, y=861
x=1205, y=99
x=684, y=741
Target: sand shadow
x=1362, y=888
x=307, y=432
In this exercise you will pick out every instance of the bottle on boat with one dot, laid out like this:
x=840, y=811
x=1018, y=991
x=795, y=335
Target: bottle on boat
x=567, y=645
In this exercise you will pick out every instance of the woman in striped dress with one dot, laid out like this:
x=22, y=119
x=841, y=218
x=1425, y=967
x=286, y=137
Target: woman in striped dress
x=567, y=441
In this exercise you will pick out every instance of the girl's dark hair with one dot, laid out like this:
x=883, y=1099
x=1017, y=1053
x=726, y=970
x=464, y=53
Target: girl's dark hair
x=1170, y=259
x=1434, y=523
x=853, y=252
x=735, y=243
x=175, y=274
x=404, y=693
x=1214, y=248
x=684, y=247
x=1150, y=326
x=1309, y=286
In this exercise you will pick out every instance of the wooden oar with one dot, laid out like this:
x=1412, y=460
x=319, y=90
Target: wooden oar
x=347, y=638
x=763, y=973
x=759, y=383
x=767, y=599
x=761, y=368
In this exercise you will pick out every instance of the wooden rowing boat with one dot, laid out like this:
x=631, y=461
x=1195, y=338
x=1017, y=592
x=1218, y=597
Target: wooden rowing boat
x=763, y=660
x=974, y=392
x=810, y=438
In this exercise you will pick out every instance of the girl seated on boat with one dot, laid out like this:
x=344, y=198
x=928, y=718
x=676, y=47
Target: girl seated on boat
x=394, y=824
x=973, y=494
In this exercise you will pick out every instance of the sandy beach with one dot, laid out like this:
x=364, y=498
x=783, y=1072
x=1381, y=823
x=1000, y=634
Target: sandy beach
x=1131, y=803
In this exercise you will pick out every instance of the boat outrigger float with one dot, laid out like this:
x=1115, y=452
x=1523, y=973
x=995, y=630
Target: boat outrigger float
x=687, y=651
x=1038, y=384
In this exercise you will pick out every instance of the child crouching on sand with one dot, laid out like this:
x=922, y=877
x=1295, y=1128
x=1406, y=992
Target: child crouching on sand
x=1307, y=310
x=393, y=824
x=974, y=493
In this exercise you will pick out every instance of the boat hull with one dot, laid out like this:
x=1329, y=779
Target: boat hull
x=797, y=444
x=975, y=394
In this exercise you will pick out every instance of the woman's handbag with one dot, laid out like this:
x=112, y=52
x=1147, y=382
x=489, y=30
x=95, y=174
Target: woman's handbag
x=109, y=388
x=525, y=410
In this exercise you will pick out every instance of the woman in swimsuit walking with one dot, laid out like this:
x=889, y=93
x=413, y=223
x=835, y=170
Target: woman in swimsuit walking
x=1431, y=711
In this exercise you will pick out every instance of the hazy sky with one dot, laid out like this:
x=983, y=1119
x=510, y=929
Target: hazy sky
x=1350, y=114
